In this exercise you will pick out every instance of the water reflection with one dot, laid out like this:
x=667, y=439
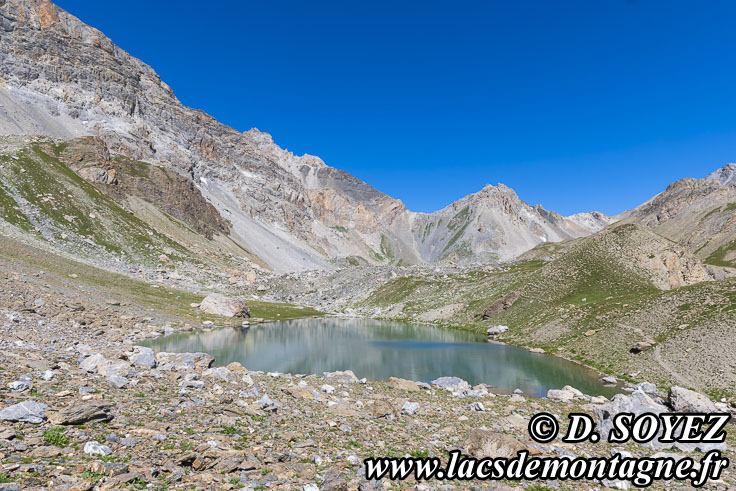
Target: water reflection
x=380, y=349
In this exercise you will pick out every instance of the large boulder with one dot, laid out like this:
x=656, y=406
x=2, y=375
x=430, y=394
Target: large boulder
x=403, y=384
x=496, y=330
x=24, y=412
x=491, y=444
x=684, y=400
x=79, y=413
x=639, y=403
x=217, y=304
x=142, y=357
x=184, y=361
x=453, y=384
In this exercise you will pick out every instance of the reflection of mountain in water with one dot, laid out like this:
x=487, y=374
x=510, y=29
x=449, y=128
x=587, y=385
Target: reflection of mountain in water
x=378, y=350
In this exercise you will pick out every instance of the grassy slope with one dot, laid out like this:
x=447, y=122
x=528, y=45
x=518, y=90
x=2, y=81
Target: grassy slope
x=589, y=305
x=101, y=285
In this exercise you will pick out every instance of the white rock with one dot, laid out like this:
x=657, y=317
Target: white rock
x=410, y=408
x=94, y=448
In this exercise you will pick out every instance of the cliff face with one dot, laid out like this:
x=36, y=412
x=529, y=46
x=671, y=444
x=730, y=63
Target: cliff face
x=65, y=79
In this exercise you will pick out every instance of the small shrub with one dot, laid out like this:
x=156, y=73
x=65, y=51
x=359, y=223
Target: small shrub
x=56, y=436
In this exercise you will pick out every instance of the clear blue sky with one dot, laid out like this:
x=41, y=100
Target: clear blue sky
x=576, y=104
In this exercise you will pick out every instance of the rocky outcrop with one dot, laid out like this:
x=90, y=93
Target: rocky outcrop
x=698, y=214
x=725, y=176
x=499, y=306
x=122, y=178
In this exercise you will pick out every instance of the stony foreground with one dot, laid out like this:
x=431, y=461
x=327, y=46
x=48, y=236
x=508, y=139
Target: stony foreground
x=82, y=407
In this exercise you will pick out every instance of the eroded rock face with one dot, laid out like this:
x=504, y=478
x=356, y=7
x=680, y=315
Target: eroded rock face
x=217, y=304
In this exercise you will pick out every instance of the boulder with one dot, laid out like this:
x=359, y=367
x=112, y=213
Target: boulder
x=91, y=363
x=381, y=409
x=410, y=408
x=500, y=305
x=491, y=444
x=25, y=412
x=343, y=377
x=94, y=448
x=142, y=357
x=560, y=395
x=638, y=403
x=609, y=380
x=221, y=373
x=451, y=383
x=403, y=384
x=642, y=346
x=687, y=401
x=496, y=330
x=83, y=412
x=184, y=361
x=217, y=304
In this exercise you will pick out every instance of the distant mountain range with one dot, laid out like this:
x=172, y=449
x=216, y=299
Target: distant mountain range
x=155, y=157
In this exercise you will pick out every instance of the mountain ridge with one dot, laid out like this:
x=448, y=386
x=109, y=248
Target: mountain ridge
x=65, y=79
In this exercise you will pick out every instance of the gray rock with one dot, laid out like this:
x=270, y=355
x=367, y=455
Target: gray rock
x=343, y=377
x=117, y=381
x=646, y=387
x=687, y=401
x=218, y=304
x=184, y=361
x=94, y=448
x=25, y=412
x=20, y=385
x=221, y=373
x=451, y=383
x=142, y=357
x=476, y=406
x=560, y=395
x=496, y=330
x=410, y=408
x=609, y=380
x=78, y=413
x=91, y=363
x=637, y=403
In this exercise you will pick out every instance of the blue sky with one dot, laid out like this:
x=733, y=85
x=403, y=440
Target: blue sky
x=576, y=104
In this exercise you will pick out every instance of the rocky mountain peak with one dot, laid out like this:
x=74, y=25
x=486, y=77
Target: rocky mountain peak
x=726, y=175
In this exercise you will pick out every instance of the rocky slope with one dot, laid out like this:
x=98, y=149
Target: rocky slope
x=64, y=79
x=697, y=213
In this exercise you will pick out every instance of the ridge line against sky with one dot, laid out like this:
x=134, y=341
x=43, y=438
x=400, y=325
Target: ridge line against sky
x=575, y=106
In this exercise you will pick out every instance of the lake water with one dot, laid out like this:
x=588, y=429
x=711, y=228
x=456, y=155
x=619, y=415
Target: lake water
x=380, y=349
